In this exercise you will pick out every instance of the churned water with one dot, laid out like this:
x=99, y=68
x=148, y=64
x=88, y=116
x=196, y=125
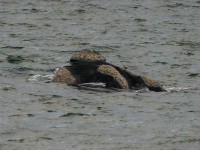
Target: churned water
x=158, y=38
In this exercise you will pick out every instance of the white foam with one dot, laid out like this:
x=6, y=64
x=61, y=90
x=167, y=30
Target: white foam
x=99, y=84
x=38, y=77
x=34, y=77
x=178, y=89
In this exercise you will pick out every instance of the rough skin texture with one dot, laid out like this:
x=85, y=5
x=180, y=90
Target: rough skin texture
x=63, y=75
x=150, y=82
x=87, y=55
x=111, y=71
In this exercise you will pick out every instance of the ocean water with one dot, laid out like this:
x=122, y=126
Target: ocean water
x=158, y=38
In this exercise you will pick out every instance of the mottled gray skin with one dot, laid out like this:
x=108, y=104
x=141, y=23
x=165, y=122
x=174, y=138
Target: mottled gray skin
x=91, y=67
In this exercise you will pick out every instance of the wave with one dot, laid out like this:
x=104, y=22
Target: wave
x=38, y=77
x=180, y=89
x=49, y=77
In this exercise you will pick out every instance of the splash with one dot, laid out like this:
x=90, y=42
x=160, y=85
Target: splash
x=101, y=86
x=94, y=85
x=38, y=77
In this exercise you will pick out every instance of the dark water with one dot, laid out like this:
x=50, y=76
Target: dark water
x=159, y=38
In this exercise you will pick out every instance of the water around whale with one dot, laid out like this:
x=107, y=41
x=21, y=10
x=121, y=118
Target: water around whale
x=155, y=38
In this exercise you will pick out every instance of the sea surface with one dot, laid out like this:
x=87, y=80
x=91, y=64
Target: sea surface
x=158, y=38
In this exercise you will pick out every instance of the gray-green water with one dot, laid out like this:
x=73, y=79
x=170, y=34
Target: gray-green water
x=159, y=38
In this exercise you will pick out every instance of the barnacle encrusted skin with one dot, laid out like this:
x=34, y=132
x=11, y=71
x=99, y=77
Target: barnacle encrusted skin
x=63, y=75
x=150, y=82
x=87, y=55
x=111, y=71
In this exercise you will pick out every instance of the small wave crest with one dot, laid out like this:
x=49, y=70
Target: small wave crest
x=179, y=89
x=98, y=84
x=38, y=77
